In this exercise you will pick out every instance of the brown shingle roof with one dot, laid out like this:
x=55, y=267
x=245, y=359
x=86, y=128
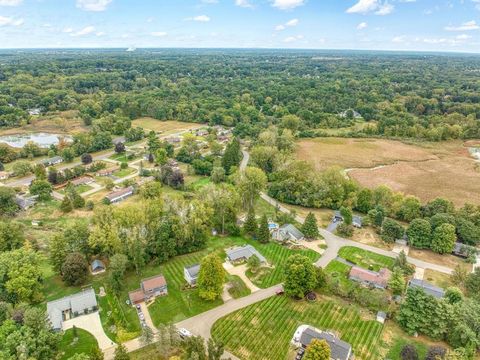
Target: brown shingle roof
x=380, y=278
x=153, y=282
x=116, y=194
x=136, y=296
x=82, y=180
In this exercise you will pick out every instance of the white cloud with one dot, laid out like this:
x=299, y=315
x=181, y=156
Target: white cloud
x=100, y=33
x=291, y=39
x=243, y=3
x=8, y=21
x=10, y=2
x=385, y=9
x=159, y=33
x=367, y=6
x=85, y=31
x=362, y=25
x=293, y=22
x=463, y=37
x=399, y=39
x=67, y=30
x=289, y=23
x=200, y=18
x=466, y=26
x=93, y=5
x=287, y=4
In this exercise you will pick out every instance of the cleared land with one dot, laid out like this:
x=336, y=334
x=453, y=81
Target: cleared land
x=263, y=330
x=165, y=127
x=426, y=170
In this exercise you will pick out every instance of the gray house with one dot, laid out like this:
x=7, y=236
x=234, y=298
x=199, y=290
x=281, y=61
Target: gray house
x=190, y=274
x=339, y=349
x=52, y=161
x=71, y=306
x=240, y=254
x=287, y=232
x=429, y=289
x=25, y=202
x=356, y=220
x=150, y=288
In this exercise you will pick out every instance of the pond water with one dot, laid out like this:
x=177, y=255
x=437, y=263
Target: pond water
x=43, y=140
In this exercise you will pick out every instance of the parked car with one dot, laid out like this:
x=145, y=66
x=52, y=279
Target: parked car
x=138, y=307
x=141, y=316
x=184, y=333
x=280, y=291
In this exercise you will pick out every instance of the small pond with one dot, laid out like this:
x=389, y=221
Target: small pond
x=43, y=140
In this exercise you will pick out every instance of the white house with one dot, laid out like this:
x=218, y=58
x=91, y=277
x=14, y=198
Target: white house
x=190, y=273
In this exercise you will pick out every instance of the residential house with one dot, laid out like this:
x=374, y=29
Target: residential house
x=119, y=195
x=381, y=317
x=97, y=267
x=173, y=140
x=150, y=288
x=25, y=202
x=83, y=180
x=106, y=172
x=463, y=250
x=429, y=289
x=355, y=114
x=287, y=232
x=71, y=306
x=201, y=132
x=339, y=349
x=4, y=175
x=375, y=279
x=190, y=273
x=52, y=161
x=356, y=220
x=240, y=254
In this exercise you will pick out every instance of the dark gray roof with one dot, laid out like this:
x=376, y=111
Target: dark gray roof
x=76, y=303
x=193, y=270
x=427, y=287
x=292, y=230
x=339, y=350
x=382, y=314
x=244, y=252
x=357, y=220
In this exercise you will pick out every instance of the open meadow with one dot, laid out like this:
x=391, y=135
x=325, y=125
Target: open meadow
x=426, y=170
x=165, y=127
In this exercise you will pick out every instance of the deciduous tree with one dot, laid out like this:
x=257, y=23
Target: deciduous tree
x=299, y=276
x=211, y=277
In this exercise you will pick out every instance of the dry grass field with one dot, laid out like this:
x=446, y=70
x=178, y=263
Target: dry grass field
x=165, y=127
x=65, y=122
x=426, y=170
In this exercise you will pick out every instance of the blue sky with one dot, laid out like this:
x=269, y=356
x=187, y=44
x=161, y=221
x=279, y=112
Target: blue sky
x=430, y=25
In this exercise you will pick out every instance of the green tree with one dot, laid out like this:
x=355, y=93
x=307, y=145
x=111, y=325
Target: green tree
x=377, y=216
x=347, y=215
x=317, y=350
x=391, y=230
x=147, y=336
x=66, y=205
x=310, y=227
x=8, y=206
x=443, y=239
x=11, y=235
x=299, y=276
x=253, y=263
x=118, y=266
x=215, y=349
x=58, y=252
x=218, y=174
x=232, y=155
x=121, y=353
x=249, y=184
x=40, y=172
x=21, y=168
x=41, y=188
x=397, y=281
x=211, y=277
x=161, y=156
x=420, y=233
x=263, y=232
x=74, y=269
x=250, y=226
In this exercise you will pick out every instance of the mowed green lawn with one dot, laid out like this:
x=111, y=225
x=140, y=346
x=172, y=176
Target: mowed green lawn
x=83, y=344
x=264, y=330
x=365, y=258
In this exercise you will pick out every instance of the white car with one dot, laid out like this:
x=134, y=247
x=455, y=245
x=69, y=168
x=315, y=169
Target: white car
x=184, y=333
x=141, y=316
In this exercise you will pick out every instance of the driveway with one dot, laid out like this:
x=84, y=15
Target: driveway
x=333, y=226
x=91, y=323
x=240, y=272
x=148, y=318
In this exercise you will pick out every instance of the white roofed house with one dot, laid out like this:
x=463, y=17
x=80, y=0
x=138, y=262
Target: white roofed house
x=71, y=306
x=287, y=232
x=241, y=254
x=52, y=161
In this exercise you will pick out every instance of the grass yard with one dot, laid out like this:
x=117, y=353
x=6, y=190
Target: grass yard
x=437, y=278
x=445, y=259
x=165, y=127
x=238, y=288
x=123, y=172
x=122, y=157
x=80, y=189
x=84, y=343
x=276, y=255
x=366, y=259
x=263, y=330
x=338, y=270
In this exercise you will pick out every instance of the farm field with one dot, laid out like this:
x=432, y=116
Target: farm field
x=366, y=259
x=70, y=346
x=166, y=127
x=263, y=330
x=426, y=170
